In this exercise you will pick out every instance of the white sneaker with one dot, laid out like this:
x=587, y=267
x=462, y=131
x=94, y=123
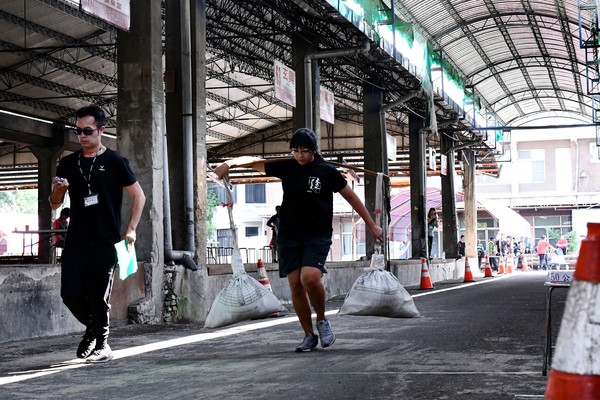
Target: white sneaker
x=101, y=354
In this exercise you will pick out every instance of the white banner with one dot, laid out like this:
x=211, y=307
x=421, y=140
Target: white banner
x=326, y=105
x=285, y=83
x=115, y=12
x=444, y=164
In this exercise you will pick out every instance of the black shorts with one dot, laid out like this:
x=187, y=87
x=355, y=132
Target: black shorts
x=294, y=254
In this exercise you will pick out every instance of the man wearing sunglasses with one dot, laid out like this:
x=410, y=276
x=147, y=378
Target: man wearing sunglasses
x=95, y=178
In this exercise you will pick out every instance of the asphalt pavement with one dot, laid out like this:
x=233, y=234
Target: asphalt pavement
x=481, y=340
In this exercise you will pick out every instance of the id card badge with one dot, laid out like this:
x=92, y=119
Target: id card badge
x=90, y=199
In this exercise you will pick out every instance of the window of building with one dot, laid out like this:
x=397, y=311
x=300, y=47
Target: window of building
x=219, y=191
x=251, y=231
x=347, y=238
x=224, y=238
x=531, y=166
x=255, y=193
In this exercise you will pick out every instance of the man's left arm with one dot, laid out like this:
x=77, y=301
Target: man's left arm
x=138, y=198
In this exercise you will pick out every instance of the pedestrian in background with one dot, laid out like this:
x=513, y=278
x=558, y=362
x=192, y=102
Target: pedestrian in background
x=492, y=253
x=305, y=226
x=563, y=244
x=480, y=252
x=95, y=178
x=61, y=223
x=461, y=246
x=273, y=223
x=542, y=252
x=432, y=223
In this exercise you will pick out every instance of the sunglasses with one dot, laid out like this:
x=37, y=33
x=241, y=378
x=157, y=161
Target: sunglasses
x=84, y=131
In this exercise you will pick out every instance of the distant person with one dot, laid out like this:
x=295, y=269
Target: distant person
x=403, y=250
x=480, y=252
x=95, y=178
x=563, y=244
x=492, y=253
x=542, y=252
x=461, y=246
x=273, y=223
x=432, y=223
x=62, y=222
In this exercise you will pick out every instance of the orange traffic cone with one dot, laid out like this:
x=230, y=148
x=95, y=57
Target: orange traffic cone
x=509, y=264
x=425, y=277
x=488, y=269
x=524, y=265
x=575, y=370
x=262, y=275
x=501, y=265
x=468, y=273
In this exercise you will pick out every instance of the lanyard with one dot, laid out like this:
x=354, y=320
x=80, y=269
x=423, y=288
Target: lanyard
x=89, y=177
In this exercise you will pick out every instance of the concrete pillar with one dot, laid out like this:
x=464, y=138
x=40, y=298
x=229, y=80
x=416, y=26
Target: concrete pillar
x=140, y=134
x=418, y=188
x=302, y=44
x=198, y=28
x=375, y=151
x=47, y=157
x=450, y=226
x=470, y=204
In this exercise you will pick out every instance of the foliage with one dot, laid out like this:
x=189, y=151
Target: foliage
x=19, y=201
x=212, y=201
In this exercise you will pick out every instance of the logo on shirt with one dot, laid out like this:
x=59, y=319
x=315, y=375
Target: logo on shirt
x=101, y=169
x=314, y=185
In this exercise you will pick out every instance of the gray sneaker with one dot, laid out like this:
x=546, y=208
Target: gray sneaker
x=325, y=334
x=101, y=354
x=309, y=343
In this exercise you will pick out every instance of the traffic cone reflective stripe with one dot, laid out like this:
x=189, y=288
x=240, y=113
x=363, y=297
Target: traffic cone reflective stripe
x=524, y=265
x=262, y=275
x=488, y=269
x=501, y=265
x=468, y=272
x=509, y=264
x=425, y=277
x=575, y=370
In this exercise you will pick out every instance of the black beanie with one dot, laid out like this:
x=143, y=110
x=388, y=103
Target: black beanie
x=304, y=138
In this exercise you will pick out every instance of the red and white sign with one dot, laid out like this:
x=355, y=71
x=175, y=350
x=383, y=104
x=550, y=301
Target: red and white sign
x=326, y=105
x=285, y=83
x=115, y=12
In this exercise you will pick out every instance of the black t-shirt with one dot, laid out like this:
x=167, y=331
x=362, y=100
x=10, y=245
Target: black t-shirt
x=98, y=224
x=307, y=206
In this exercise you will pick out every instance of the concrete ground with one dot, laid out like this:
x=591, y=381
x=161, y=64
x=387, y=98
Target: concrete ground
x=480, y=340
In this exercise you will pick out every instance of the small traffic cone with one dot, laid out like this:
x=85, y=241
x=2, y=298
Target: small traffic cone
x=425, y=277
x=468, y=272
x=501, y=265
x=575, y=370
x=509, y=264
x=488, y=269
x=262, y=275
x=524, y=265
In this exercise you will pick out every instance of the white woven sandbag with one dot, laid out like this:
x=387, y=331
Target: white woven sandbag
x=243, y=298
x=379, y=293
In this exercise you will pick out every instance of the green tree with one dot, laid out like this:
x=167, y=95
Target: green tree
x=19, y=201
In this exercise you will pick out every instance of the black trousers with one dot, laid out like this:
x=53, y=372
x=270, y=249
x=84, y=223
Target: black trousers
x=86, y=282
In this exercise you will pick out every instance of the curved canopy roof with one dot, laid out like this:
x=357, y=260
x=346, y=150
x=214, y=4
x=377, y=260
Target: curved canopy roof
x=526, y=59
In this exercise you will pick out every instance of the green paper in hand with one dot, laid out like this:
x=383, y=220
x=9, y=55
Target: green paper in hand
x=126, y=258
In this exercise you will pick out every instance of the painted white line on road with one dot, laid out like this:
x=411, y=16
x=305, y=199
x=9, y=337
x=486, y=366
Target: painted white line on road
x=465, y=285
x=201, y=337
